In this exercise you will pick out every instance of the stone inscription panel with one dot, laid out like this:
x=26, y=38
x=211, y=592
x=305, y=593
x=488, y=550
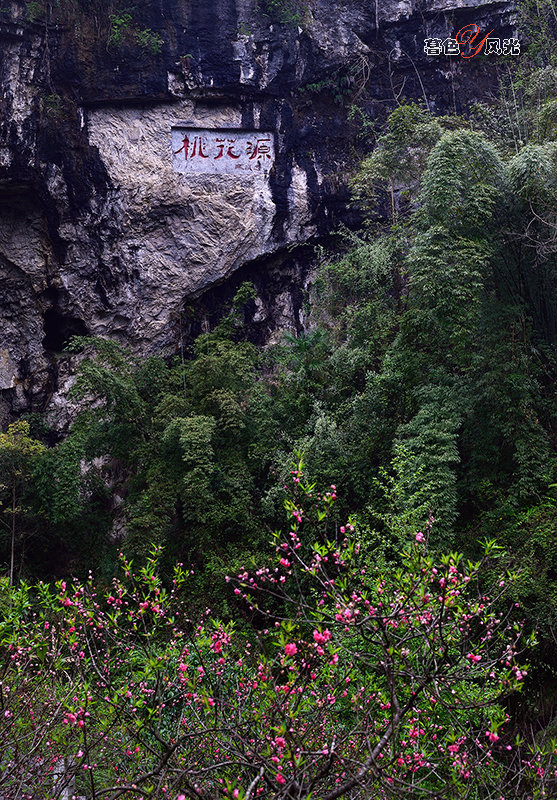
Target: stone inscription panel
x=230, y=151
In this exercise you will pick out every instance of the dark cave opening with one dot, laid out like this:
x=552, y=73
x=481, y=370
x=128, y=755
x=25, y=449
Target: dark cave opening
x=58, y=329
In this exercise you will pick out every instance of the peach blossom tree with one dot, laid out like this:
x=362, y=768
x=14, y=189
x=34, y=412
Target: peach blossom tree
x=348, y=682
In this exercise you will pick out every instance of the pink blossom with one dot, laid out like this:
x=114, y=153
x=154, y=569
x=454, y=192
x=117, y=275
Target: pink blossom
x=420, y=537
x=280, y=779
x=290, y=649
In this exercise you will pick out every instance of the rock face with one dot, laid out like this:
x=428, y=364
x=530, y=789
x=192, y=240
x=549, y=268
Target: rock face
x=100, y=235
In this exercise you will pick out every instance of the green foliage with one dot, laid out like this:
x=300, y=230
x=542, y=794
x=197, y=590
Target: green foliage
x=19, y=450
x=124, y=688
x=58, y=482
x=110, y=25
x=149, y=41
x=462, y=182
x=34, y=10
x=397, y=162
x=429, y=442
x=123, y=30
x=56, y=111
x=538, y=25
x=531, y=538
x=244, y=29
x=343, y=84
x=532, y=173
x=179, y=443
x=120, y=28
x=245, y=293
x=288, y=12
x=51, y=105
x=524, y=110
x=19, y=456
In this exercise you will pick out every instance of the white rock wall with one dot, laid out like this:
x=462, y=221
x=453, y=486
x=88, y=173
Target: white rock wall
x=181, y=232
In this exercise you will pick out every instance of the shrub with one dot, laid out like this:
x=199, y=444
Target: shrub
x=351, y=681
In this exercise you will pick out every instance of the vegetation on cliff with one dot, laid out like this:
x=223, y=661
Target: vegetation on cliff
x=424, y=389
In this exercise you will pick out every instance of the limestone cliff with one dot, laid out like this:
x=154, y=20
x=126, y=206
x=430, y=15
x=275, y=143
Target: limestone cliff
x=100, y=234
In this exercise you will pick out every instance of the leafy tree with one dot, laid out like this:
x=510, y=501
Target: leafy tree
x=359, y=682
x=181, y=439
x=19, y=454
x=398, y=160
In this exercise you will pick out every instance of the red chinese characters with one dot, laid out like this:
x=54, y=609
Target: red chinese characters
x=197, y=148
x=229, y=144
x=222, y=151
x=259, y=150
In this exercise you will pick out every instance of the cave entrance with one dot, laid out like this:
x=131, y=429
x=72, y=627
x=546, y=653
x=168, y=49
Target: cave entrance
x=59, y=328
